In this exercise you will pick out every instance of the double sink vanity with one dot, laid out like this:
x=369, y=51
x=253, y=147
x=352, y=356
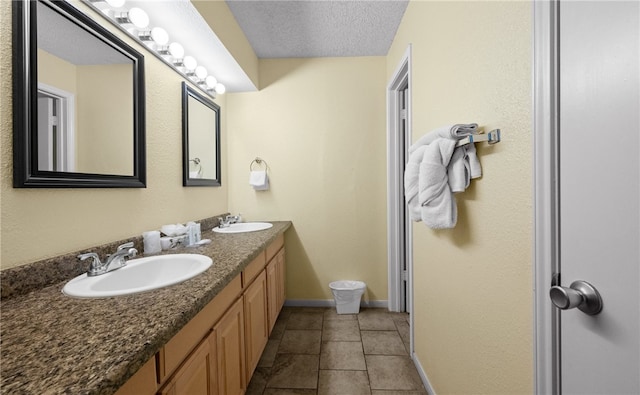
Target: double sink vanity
x=206, y=333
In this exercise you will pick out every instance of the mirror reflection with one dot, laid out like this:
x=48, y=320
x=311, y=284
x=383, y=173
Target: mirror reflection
x=201, y=139
x=79, y=91
x=85, y=105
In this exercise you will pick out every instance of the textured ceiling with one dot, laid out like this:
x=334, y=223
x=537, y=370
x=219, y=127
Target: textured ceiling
x=318, y=28
x=56, y=36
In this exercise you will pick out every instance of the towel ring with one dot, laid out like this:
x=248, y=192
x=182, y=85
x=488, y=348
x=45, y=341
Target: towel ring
x=259, y=162
x=196, y=161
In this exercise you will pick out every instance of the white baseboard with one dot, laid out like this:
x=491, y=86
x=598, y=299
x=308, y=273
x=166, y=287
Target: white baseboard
x=332, y=303
x=423, y=375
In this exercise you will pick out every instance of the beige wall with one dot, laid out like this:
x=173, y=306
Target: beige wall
x=39, y=223
x=320, y=125
x=56, y=72
x=105, y=119
x=473, y=298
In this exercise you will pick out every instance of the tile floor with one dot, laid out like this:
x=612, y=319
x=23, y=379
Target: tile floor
x=316, y=351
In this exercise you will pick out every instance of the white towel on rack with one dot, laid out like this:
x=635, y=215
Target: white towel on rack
x=454, y=132
x=463, y=167
x=435, y=170
x=259, y=180
x=411, y=178
x=458, y=172
x=438, y=205
x=475, y=170
x=426, y=182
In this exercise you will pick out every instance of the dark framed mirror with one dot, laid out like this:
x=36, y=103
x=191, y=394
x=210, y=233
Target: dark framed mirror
x=200, y=139
x=78, y=101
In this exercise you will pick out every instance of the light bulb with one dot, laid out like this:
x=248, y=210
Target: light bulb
x=211, y=82
x=159, y=36
x=190, y=63
x=176, y=50
x=220, y=88
x=138, y=17
x=201, y=72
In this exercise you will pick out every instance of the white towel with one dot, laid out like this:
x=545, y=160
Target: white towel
x=438, y=205
x=259, y=180
x=411, y=188
x=454, y=132
x=471, y=158
x=458, y=171
x=435, y=170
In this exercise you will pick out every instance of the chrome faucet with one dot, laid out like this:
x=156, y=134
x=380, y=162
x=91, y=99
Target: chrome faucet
x=230, y=219
x=114, y=261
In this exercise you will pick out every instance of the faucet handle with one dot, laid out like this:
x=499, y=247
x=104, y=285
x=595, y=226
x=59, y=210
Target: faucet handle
x=125, y=246
x=95, y=262
x=93, y=255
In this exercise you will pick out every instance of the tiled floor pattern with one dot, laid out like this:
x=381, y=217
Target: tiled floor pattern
x=317, y=351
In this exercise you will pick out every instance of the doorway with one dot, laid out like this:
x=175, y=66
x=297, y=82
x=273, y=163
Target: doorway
x=56, y=129
x=399, y=232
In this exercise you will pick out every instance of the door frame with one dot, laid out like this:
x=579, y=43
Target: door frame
x=547, y=375
x=395, y=189
x=66, y=121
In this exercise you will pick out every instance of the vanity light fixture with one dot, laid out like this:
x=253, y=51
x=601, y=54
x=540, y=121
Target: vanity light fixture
x=135, y=16
x=159, y=36
x=211, y=82
x=190, y=64
x=176, y=51
x=156, y=36
x=220, y=88
x=201, y=72
x=135, y=22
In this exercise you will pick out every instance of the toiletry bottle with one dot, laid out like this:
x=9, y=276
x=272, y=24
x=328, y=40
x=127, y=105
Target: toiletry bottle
x=198, y=233
x=191, y=234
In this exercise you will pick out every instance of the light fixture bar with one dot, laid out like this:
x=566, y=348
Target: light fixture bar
x=135, y=23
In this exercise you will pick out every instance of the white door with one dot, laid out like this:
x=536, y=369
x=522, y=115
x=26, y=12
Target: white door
x=599, y=193
x=47, y=124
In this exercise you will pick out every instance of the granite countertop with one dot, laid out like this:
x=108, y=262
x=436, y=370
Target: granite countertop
x=54, y=344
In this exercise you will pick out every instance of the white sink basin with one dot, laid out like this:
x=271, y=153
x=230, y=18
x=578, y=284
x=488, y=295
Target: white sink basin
x=139, y=275
x=244, y=227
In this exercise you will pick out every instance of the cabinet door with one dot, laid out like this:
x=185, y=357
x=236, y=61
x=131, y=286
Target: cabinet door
x=275, y=287
x=256, y=323
x=198, y=374
x=272, y=292
x=143, y=382
x=281, y=276
x=231, y=354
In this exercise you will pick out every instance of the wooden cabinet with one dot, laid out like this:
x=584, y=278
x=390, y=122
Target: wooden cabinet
x=275, y=286
x=143, y=382
x=218, y=350
x=198, y=374
x=256, y=322
x=231, y=351
x=182, y=344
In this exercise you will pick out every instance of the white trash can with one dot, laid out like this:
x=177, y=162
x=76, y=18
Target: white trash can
x=347, y=295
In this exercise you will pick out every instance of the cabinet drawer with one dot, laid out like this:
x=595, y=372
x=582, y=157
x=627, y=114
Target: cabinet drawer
x=175, y=351
x=275, y=246
x=253, y=269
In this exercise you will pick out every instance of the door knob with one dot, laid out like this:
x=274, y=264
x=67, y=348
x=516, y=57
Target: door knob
x=580, y=294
